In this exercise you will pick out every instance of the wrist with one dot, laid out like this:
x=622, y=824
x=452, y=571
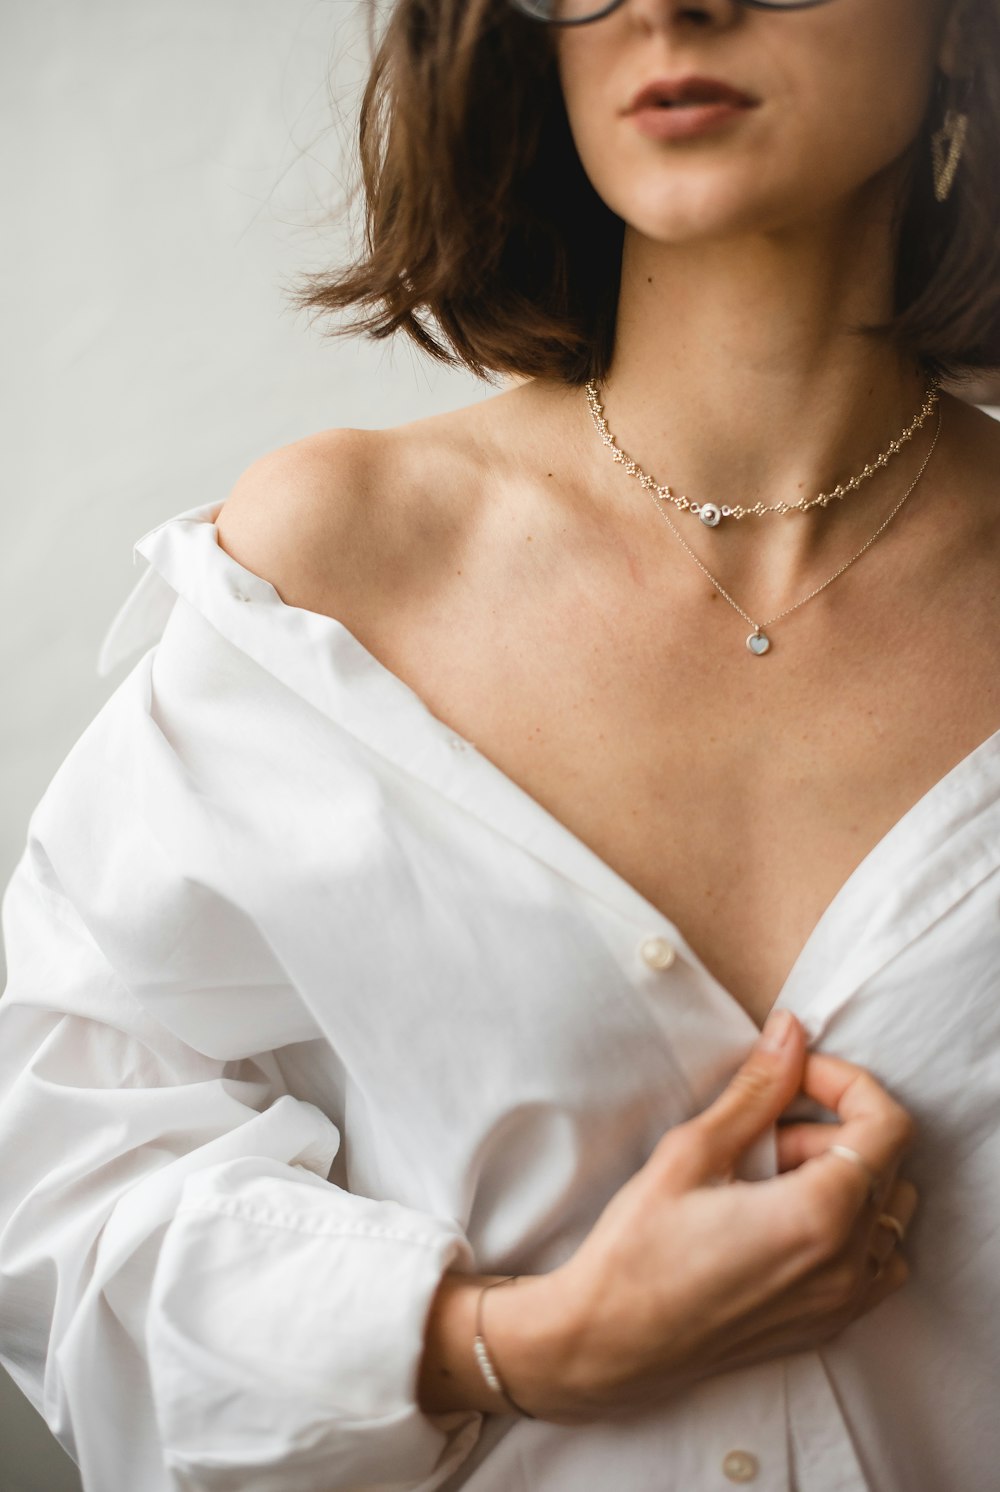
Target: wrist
x=530, y=1334
x=532, y=1331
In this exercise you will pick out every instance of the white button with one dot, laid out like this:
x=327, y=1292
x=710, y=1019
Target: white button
x=239, y=596
x=658, y=953
x=456, y=743
x=740, y=1466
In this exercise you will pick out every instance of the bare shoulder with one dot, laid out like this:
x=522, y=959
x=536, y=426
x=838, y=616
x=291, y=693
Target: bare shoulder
x=293, y=511
x=344, y=515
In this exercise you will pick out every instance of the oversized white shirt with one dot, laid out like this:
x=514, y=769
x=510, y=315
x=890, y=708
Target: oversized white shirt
x=309, y=1002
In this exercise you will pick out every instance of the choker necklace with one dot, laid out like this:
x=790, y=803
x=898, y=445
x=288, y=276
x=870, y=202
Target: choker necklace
x=758, y=641
x=712, y=514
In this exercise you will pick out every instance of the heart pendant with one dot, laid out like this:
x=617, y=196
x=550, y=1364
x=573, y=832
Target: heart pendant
x=758, y=643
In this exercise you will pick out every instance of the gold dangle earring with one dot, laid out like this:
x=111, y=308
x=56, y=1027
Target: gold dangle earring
x=946, y=148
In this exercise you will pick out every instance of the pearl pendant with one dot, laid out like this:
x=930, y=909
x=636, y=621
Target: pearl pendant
x=710, y=514
x=758, y=643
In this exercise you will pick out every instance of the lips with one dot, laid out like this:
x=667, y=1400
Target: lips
x=666, y=93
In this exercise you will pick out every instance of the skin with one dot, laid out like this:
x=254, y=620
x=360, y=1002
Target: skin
x=496, y=560
x=571, y=663
x=655, y=1298
x=749, y=252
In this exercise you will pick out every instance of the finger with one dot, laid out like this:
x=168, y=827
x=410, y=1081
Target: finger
x=771, y=1341
x=853, y=1093
x=888, y=1229
x=798, y=1143
x=872, y=1122
x=880, y=1231
x=709, y=1145
x=890, y=1277
x=828, y=1203
x=905, y=1201
x=832, y=1293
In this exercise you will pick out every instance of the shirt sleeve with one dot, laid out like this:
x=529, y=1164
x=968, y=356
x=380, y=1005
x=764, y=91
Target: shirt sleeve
x=185, y=1295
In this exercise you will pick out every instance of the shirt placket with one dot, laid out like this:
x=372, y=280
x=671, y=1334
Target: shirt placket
x=756, y=1428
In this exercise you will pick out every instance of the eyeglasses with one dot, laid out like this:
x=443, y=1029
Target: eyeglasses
x=579, y=12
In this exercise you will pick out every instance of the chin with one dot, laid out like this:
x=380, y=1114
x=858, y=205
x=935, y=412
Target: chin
x=691, y=213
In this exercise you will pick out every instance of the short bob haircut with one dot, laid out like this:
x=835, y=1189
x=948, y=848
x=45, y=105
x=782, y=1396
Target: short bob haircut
x=479, y=217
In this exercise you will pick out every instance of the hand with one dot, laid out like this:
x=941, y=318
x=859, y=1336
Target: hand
x=688, y=1273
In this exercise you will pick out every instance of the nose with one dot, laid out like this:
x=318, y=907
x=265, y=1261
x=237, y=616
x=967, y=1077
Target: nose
x=654, y=15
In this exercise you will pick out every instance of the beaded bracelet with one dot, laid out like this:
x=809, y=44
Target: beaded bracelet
x=483, y=1358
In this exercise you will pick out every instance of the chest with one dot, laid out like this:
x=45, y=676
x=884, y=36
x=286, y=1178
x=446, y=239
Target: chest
x=736, y=794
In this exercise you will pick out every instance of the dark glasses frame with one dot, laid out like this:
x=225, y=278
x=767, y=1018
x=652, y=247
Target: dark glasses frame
x=524, y=8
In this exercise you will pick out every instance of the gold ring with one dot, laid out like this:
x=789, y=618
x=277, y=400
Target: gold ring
x=846, y=1153
x=888, y=1221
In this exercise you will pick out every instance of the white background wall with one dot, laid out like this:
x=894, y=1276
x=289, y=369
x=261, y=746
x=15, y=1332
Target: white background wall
x=167, y=167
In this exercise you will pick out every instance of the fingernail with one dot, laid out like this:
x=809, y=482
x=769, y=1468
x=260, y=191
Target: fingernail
x=777, y=1029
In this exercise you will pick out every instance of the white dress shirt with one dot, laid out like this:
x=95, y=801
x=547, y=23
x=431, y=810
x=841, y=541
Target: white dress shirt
x=309, y=1002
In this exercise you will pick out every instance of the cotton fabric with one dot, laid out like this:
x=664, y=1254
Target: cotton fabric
x=308, y=1003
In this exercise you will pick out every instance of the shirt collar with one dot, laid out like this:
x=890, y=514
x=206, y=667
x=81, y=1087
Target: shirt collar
x=943, y=846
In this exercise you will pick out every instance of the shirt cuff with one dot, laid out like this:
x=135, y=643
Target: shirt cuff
x=285, y=1335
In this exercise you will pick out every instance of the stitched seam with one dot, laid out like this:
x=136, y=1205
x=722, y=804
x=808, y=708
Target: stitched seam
x=290, y=1224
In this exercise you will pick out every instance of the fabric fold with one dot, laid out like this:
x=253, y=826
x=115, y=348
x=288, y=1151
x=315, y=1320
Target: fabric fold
x=171, y=1243
x=309, y=1003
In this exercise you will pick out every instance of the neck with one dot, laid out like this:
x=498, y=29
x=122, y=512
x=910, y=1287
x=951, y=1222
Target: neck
x=735, y=379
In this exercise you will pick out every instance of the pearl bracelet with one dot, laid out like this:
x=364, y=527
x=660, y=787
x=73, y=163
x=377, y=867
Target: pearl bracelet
x=483, y=1358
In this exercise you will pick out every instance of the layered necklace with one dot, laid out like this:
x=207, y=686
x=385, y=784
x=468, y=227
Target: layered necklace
x=712, y=514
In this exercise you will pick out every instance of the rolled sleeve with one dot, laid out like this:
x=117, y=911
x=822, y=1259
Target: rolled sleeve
x=285, y=1331
x=185, y=1295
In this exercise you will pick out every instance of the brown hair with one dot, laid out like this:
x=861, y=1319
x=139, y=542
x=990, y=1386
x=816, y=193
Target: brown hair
x=479, y=217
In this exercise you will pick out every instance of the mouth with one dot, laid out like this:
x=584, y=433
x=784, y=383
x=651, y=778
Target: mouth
x=687, y=93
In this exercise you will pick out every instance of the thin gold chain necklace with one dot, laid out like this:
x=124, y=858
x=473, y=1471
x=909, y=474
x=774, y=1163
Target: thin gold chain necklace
x=712, y=514
x=758, y=641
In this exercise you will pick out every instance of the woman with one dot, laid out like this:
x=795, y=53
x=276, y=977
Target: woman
x=323, y=1021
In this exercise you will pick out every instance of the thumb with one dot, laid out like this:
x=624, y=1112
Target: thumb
x=755, y=1096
